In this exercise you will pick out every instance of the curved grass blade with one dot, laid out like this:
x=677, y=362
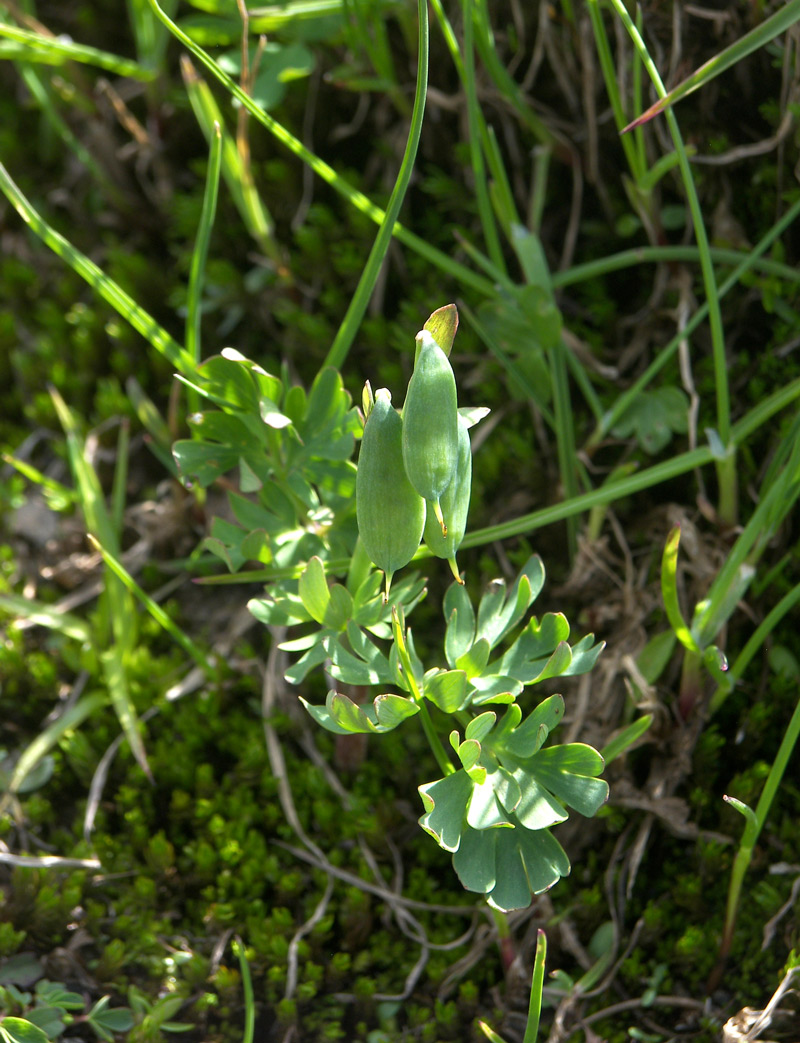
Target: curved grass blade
x=46, y=740
x=758, y=37
x=200, y=252
x=322, y=169
x=109, y=290
x=55, y=50
x=366, y=284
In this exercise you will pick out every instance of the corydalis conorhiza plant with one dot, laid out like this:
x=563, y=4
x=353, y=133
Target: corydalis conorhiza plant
x=501, y=789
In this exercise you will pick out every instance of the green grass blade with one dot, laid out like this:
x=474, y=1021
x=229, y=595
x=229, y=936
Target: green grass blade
x=726, y=469
x=116, y=677
x=96, y=278
x=745, y=264
x=42, y=92
x=150, y=35
x=669, y=591
x=537, y=984
x=754, y=645
x=52, y=488
x=755, y=823
x=474, y=124
x=366, y=284
x=357, y=199
x=771, y=27
x=119, y=488
x=41, y=614
x=155, y=610
x=247, y=989
x=626, y=738
x=197, y=270
x=46, y=740
x=98, y=521
x=252, y=210
x=56, y=50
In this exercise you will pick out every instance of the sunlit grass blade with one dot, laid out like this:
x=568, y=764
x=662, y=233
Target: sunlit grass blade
x=150, y=35
x=47, y=739
x=771, y=27
x=627, y=737
x=247, y=989
x=754, y=645
x=537, y=984
x=726, y=465
x=194, y=298
x=669, y=591
x=109, y=290
x=39, y=613
x=257, y=219
x=116, y=678
x=474, y=122
x=155, y=610
x=322, y=169
x=53, y=489
x=56, y=50
x=754, y=824
x=369, y=277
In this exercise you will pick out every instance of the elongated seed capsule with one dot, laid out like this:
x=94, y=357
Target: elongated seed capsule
x=430, y=424
x=390, y=513
x=455, y=505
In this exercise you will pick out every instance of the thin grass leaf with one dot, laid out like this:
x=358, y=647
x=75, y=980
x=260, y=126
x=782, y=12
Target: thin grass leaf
x=200, y=253
x=537, y=985
x=771, y=27
x=155, y=609
x=252, y=210
x=369, y=277
x=754, y=645
x=40, y=614
x=726, y=467
x=669, y=591
x=33, y=474
x=150, y=35
x=43, y=94
x=109, y=290
x=90, y=494
x=247, y=989
x=47, y=739
x=116, y=678
x=320, y=167
x=474, y=123
x=119, y=487
x=744, y=265
x=56, y=50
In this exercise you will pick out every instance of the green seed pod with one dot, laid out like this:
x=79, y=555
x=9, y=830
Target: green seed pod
x=455, y=505
x=391, y=515
x=430, y=423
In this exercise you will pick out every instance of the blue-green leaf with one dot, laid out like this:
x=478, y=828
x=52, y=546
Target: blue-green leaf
x=446, y=689
x=445, y=802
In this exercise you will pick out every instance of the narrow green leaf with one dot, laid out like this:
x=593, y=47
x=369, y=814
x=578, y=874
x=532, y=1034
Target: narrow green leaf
x=771, y=27
x=117, y=680
x=41, y=614
x=669, y=591
x=125, y=305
